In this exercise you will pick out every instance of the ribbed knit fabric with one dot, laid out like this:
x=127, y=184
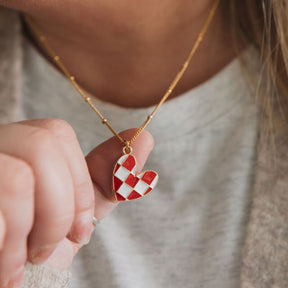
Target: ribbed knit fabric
x=41, y=276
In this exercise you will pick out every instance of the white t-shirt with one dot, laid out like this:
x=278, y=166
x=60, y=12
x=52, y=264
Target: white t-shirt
x=189, y=231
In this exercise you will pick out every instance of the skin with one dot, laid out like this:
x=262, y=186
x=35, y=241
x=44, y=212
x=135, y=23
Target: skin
x=49, y=169
x=126, y=54
x=129, y=53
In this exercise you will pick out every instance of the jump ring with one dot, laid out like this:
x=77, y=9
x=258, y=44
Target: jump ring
x=127, y=150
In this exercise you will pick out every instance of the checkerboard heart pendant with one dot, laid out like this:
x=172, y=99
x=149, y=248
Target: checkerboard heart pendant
x=127, y=185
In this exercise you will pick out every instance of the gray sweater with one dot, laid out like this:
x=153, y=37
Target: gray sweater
x=264, y=252
x=189, y=231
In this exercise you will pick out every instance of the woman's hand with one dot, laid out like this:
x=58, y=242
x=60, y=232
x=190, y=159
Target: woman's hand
x=49, y=192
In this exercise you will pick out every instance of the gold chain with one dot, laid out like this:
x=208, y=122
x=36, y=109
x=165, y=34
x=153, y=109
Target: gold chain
x=62, y=67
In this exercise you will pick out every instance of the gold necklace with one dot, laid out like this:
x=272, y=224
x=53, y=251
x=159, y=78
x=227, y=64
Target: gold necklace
x=126, y=185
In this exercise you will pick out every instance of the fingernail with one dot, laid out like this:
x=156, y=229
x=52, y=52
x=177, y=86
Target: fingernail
x=17, y=278
x=82, y=228
x=39, y=255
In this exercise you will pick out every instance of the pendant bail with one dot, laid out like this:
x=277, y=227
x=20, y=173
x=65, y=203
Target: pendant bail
x=127, y=149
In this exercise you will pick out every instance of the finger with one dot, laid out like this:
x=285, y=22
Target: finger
x=101, y=162
x=54, y=195
x=16, y=203
x=83, y=189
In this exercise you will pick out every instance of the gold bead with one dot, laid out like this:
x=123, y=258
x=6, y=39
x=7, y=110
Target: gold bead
x=104, y=121
x=56, y=58
x=87, y=99
x=149, y=117
x=72, y=78
x=42, y=38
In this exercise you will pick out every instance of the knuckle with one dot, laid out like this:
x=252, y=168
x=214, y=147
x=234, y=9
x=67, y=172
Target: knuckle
x=42, y=140
x=59, y=127
x=62, y=224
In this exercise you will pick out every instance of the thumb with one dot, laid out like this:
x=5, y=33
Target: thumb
x=101, y=161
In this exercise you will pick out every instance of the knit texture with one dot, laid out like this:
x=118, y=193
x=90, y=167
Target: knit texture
x=41, y=276
x=10, y=48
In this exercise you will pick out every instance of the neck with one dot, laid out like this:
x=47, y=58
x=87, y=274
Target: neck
x=131, y=62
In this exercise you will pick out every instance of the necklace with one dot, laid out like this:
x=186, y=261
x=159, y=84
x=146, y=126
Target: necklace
x=125, y=184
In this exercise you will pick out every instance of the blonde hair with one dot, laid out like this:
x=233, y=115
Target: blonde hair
x=264, y=23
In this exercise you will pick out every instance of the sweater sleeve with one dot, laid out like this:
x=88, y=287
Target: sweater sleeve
x=41, y=276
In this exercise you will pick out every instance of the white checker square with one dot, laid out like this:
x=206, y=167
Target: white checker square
x=122, y=159
x=154, y=182
x=141, y=187
x=125, y=190
x=122, y=173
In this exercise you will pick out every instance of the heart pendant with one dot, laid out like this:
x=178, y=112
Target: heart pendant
x=128, y=186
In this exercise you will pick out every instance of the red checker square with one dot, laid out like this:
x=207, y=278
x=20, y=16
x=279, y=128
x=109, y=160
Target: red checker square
x=120, y=197
x=129, y=163
x=116, y=167
x=117, y=183
x=131, y=180
x=148, y=190
x=148, y=177
x=134, y=195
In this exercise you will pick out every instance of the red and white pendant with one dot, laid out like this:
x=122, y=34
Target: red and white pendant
x=128, y=186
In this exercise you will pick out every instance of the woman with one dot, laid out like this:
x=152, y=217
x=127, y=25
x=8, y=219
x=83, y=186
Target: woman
x=218, y=217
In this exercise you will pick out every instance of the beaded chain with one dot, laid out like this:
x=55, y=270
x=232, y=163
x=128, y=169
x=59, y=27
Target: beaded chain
x=126, y=143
